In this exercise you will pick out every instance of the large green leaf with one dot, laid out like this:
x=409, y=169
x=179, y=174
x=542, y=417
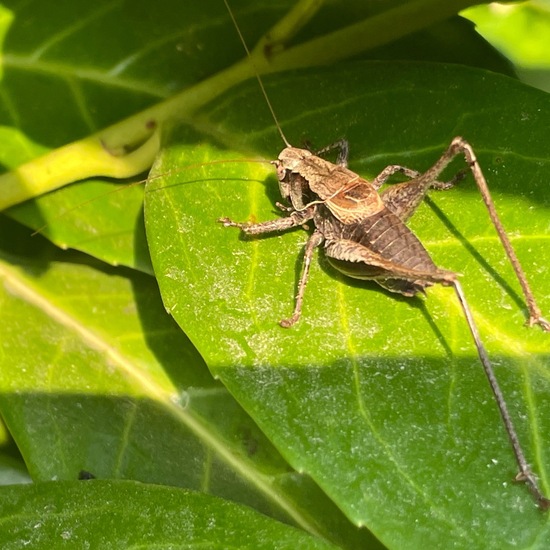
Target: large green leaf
x=126, y=514
x=381, y=400
x=89, y=81
x=95, y=376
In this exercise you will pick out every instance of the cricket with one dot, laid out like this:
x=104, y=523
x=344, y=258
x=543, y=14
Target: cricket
x=363, y=234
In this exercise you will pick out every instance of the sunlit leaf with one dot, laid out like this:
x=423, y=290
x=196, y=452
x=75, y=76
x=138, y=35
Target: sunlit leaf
x=380, y=399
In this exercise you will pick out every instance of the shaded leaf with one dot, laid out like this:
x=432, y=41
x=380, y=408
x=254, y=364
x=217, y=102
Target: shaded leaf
x=95, y=376
x=123, y=514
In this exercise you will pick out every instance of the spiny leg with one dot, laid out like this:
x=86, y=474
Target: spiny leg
x=460, y=145
x=403, y=198
x=414, y=174
x=313, y=242
x=294, y=219
x=525, y=474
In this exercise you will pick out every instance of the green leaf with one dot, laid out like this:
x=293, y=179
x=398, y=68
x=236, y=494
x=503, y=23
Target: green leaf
x=380, y=399
x=125, y=514
x=520, y=30
x=95, y=376
x=89, y=81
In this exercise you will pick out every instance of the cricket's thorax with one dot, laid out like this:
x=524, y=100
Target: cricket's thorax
x=348, y=196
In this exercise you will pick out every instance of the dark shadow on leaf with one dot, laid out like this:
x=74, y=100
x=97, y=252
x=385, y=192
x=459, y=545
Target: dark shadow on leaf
x=170, y=345
x=141, y=249
x=417, y=302
x=477, y=255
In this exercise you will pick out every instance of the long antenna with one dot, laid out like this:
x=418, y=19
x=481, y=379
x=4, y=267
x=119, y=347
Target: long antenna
x=280, y=130
x=525, y=474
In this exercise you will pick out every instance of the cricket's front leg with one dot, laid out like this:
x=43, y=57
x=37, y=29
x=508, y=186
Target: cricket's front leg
x=294, y=219
x=313, y=242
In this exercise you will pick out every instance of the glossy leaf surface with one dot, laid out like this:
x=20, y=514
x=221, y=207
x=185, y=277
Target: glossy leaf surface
x=123, y=514
x=380, y=399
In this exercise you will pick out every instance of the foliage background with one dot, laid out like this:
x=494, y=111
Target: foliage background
x=149, y=353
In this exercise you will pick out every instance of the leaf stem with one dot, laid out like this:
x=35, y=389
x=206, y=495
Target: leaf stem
x=369, y=33
x=102, y=154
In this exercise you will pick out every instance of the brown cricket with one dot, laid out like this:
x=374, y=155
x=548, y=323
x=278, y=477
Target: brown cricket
x=364, y=236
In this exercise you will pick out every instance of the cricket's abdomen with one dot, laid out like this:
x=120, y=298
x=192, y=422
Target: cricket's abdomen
x=382, y=248
x=387, y=235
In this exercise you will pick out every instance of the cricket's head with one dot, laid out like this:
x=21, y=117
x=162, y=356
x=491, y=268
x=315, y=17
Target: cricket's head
x=291, y=158
x=292, y=185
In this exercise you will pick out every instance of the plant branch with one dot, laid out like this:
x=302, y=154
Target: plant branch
x=100, y=153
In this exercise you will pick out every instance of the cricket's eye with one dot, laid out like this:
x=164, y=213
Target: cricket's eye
x=282, y=172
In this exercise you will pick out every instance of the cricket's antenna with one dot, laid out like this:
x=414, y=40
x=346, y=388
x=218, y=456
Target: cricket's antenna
x=280, y=130
x=525, y=474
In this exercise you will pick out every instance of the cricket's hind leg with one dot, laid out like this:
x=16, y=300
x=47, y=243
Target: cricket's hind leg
x=403, y=198
x=461, y=146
